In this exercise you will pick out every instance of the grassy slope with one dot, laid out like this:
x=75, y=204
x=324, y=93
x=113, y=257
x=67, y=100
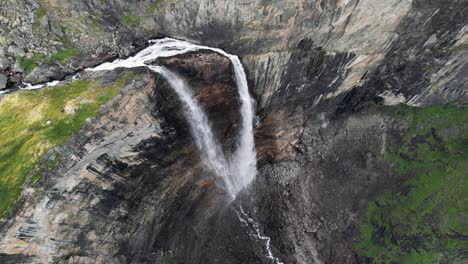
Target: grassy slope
x=426, y=219
x=25, y=134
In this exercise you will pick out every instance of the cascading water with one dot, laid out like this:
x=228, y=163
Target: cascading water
x=248, y=222
x=240, y=170
x=213, y=155
x=245, y=157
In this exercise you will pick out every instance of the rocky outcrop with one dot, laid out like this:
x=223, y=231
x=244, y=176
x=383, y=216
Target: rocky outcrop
x=41, y=75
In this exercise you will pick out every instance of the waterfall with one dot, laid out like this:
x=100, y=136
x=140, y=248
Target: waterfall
x=212, y=154
x=245, y=157
x=238, y=171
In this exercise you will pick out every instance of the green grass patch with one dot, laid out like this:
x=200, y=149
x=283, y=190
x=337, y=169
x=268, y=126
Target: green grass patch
x=28, y=64
x=33, y=122
x=130, y=20
x=426, y=219
x=62, y=56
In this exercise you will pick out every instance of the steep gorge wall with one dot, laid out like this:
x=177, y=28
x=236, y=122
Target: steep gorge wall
x=354, y=38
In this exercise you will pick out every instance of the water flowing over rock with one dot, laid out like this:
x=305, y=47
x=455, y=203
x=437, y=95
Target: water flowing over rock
x=209, y=149
x=239, y=171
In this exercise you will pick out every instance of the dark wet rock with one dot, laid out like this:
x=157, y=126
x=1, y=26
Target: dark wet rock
x=3, y=81
x=205, y=65
x=15, y=79
x=15, y=258
x=44, y=73
x=211, y=77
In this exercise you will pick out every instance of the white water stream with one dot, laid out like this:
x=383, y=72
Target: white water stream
x=239, y=170
x=248, y=222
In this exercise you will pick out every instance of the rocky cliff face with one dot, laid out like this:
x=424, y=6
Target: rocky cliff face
x=130, y=186
x=356, y=40
x=127, y=175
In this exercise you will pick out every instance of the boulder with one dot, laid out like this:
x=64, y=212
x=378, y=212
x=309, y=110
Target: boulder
x=44, y=73
x=17, y=67
x=16, y=51
x=4, y=64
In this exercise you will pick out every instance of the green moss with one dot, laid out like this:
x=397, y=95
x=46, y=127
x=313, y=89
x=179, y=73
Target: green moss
x=65, y=38
x=50, y=164
x=462, y=47
x=43, y=167
x=28, y=64
x=425, y=220
x=40, y=13
x=32, y=122
x=130, y=20
x=36, y=178
x=294, y=50
x=154, y=5
x=37, y=28
x=96, y=26
x=168, y=258
x=322, y=54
